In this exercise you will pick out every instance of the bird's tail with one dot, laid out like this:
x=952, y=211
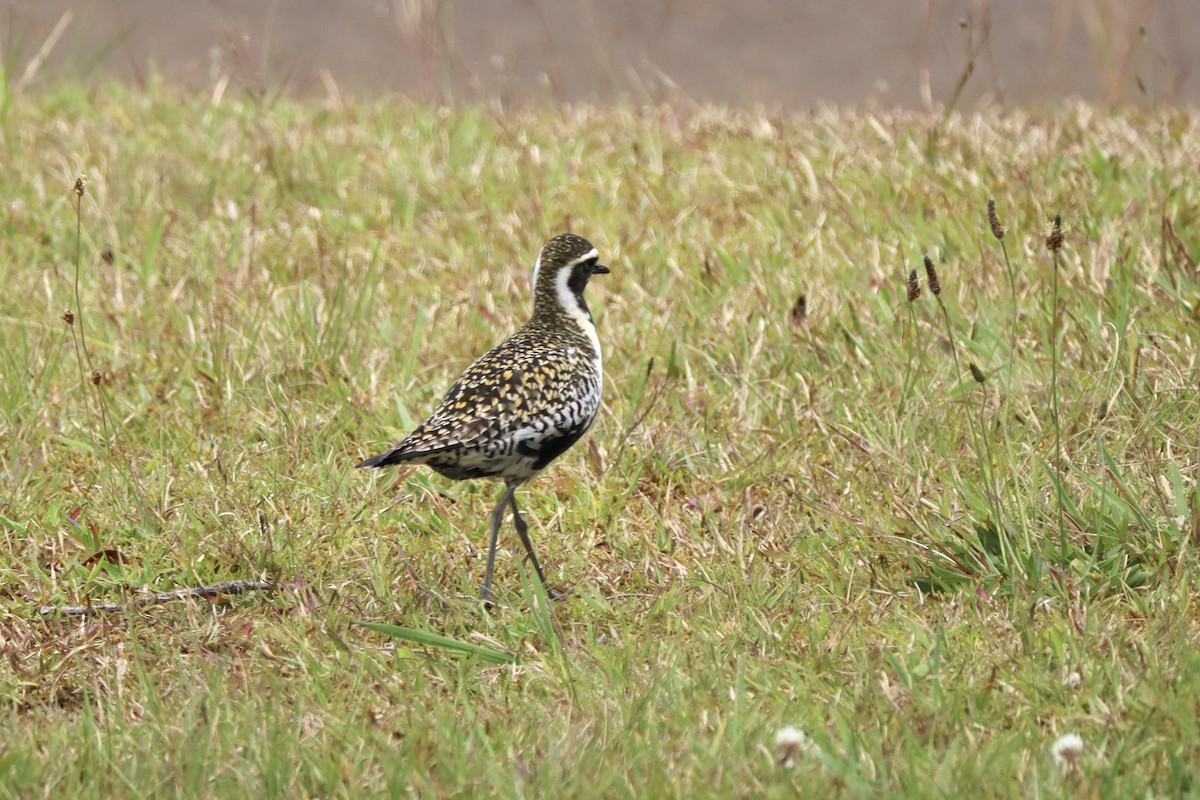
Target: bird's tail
x=405, y=453
x=382, y=460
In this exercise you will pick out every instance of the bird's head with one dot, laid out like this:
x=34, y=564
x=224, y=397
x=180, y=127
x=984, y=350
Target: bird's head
x=562, y=271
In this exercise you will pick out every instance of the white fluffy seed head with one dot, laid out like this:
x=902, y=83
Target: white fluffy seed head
x=1066, y=750
x=789, y=742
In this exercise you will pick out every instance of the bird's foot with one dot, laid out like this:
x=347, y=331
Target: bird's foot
x=485, y=598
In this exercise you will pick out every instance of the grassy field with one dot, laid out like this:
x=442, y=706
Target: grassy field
x=799, y=506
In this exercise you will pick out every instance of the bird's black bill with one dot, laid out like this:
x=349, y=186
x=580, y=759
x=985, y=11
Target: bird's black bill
x=600, y=269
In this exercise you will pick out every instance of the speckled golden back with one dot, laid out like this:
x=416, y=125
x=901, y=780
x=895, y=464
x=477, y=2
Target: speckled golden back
x=532, y=376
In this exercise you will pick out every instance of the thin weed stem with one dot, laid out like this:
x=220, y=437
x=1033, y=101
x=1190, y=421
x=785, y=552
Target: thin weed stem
x=989, y=475
x=82, y=356
x=96, y=377
x=998, y=233
x=973, y=49
x=914, y=365
x=1054, y=244
x=1012, y=293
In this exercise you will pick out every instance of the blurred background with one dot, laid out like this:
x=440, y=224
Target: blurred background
x=787, y=54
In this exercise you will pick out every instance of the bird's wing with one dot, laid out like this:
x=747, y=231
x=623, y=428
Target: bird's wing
x=500, y=393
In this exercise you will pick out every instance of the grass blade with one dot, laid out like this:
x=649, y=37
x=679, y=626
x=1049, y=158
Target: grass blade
x=427, y=639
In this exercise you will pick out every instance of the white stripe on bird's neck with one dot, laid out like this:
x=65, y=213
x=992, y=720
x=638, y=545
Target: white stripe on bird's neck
x=570, y=306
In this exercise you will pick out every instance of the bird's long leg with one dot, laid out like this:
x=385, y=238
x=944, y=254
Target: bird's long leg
x=485, y=594
x=523, y=532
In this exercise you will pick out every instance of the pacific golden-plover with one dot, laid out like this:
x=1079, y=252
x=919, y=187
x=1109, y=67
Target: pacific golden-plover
x=522, y=404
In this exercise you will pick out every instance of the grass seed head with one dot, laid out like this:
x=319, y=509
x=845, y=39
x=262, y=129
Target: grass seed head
x=914, y=286
x=994, y=220
x=1054, y=241
x=977, y=373
x=800, y=310
x=931, y=275
x=80, y=186
x=68, y=316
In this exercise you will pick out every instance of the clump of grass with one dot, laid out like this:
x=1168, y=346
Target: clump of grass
x=977, y=426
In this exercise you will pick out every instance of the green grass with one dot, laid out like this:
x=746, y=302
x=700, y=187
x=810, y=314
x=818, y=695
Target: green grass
x=821, y=522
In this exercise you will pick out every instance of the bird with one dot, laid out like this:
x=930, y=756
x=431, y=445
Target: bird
x=525, y=402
